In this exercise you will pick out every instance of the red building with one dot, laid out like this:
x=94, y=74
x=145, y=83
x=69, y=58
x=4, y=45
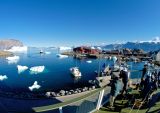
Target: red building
x=86, y=50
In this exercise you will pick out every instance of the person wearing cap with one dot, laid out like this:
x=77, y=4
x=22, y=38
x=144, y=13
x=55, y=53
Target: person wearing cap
x=124, y=75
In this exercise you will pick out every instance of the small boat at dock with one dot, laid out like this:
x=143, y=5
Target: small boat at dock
x=75, y=72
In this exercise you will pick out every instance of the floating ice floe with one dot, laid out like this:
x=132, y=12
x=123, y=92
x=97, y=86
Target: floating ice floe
x=12, y=60
x=37, y=69
x=18, y=49
x=47, y=52
x=34, y=86
x=89, y=61
x=62, y=56
x=21, y=68
x=3, y=77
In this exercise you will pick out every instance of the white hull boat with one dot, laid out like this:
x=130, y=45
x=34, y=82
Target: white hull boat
x=75, y=72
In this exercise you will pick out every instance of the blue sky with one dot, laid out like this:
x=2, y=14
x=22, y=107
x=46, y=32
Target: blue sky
x=79, y=22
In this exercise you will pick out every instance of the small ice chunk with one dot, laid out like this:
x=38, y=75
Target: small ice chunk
x=34, y=86
x=21, y=68
x=89, y=61
x=37, y=69
x=47, y=52
x=62, y=56
x=3, y=77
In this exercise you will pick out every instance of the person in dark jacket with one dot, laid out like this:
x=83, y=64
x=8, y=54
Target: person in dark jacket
x=144, y=71
x=158, y=79
x=124, y=74
x=115, y=89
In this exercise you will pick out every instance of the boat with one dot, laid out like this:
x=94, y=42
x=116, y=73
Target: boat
x=75, y=72
x=41, y=52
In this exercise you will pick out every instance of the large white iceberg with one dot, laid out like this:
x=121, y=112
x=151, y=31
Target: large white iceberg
x=18, y=49
x=64, y=48
x=34, y=86
x=13, y=59
x=3, y=77
x=21, y=68
x=37, y=69
x=62, y=56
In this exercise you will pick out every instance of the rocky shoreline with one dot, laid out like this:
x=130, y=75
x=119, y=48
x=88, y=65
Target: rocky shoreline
x=44, y=95
x=5, y=53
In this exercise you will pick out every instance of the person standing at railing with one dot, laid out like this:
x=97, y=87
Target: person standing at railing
x=115, y=89
x=124, y=75
x=158, y=78
x=144, y=70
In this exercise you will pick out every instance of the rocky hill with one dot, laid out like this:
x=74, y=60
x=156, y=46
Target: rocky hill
x=9, y=43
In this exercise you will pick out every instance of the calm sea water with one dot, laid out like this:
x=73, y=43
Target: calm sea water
x=56, y=75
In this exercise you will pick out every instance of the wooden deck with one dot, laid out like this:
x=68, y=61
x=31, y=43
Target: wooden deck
x=123, y=107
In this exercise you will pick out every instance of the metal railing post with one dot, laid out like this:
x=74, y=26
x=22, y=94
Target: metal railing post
x=60, y=110
x=100, y=99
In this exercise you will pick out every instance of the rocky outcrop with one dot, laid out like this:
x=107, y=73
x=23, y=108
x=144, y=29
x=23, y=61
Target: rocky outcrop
x=5, y=54
x=9, y=43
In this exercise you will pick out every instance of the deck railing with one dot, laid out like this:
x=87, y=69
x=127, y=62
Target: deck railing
x=87, y=103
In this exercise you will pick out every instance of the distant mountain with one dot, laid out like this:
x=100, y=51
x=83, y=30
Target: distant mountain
x=152, y=45
x=9, y=43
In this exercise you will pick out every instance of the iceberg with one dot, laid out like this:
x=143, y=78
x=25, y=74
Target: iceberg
x=18, y=49
x=37, y=69
x=64, y=48
x=3, y=77
x=89, y=61
x=62, y=56
x=34, y=86
x=21, y=68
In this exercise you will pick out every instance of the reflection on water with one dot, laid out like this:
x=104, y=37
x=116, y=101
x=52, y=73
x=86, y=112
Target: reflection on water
x=13, y=61
x=56, y=74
